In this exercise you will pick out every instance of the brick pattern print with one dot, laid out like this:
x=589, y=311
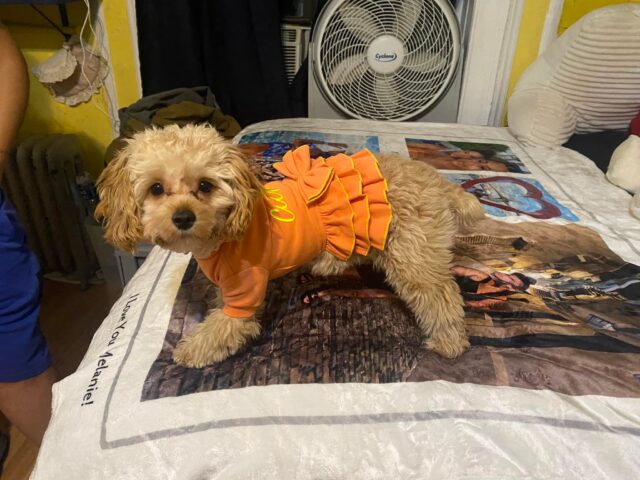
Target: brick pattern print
x=309, y=336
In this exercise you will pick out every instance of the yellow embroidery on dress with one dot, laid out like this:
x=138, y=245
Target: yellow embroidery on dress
x=281, y=206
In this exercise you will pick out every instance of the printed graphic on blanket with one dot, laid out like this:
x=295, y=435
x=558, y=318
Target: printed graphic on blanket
x=507, y=196
x=548, y=307
x=269, y=147
x=471, y=156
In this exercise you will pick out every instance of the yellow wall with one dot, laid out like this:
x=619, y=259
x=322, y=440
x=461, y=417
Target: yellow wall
x=125, y=69
x=531, y=26
x=573, y=10
x=39, y=41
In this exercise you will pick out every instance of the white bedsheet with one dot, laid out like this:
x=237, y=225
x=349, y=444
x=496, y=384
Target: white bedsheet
x=101, y=429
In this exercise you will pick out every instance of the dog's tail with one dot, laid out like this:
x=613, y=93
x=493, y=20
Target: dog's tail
x=466, y=206
x=468, y=209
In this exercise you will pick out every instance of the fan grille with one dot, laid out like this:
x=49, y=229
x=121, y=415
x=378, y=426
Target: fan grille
x=428, y=35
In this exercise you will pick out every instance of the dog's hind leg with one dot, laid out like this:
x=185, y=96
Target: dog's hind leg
x=417, y=264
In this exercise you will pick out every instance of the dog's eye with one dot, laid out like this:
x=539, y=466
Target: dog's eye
x=156, y=189
x=205, y=187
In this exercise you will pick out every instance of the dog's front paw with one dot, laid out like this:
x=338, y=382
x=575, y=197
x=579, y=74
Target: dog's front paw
x=214, y=340
x=190, y=353
x=448, y=346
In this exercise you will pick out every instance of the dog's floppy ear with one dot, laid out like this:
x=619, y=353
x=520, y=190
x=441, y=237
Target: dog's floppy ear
x=246, y=190
x=118, y=210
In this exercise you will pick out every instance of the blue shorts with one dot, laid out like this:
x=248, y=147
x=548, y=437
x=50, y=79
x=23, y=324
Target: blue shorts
x=23, y=350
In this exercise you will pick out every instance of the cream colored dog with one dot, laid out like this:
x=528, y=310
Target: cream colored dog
x=163, y=173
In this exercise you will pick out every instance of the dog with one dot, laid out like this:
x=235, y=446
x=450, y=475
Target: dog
x=189, y=190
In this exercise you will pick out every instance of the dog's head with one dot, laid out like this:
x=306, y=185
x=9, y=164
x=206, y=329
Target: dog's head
x=184, y=188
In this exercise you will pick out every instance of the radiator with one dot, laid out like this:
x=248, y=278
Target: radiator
x=41, y=181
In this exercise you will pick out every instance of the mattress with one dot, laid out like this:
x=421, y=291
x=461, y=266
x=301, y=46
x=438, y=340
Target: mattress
x=339, y=386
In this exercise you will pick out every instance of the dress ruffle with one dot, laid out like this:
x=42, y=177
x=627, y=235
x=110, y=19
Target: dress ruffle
x=351, y=180
x=318, y=184
x=350, y=195
x=375, y=187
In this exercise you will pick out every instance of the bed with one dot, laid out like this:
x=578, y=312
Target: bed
x=338, y=386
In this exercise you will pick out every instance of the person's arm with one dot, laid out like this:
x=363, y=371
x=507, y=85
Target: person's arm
x=14, y=94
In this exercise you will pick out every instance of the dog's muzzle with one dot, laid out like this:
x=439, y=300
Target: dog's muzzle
x=183, y=219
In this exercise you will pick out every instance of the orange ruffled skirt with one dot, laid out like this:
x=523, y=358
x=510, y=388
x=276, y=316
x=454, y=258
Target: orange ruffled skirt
x=350, y=195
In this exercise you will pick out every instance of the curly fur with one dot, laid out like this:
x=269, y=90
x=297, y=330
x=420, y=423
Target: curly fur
x=118, y=208
x=215, y=339
x=178, y=159
x=428, y=211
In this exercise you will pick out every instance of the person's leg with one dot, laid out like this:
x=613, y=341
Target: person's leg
x=26, y=375
x=27, y=404
x=4, y=424
x=4, y=441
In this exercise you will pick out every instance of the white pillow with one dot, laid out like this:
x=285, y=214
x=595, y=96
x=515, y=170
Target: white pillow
x=635, y=206
x=624, y=168
x=587, y=80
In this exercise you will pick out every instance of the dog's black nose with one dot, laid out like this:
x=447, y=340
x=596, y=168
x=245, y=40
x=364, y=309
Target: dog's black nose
x=184, y=219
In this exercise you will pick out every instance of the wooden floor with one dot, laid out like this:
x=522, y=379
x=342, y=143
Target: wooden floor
x=69, y=319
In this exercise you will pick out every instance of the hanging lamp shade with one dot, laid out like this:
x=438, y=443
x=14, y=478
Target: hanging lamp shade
x=72, y=74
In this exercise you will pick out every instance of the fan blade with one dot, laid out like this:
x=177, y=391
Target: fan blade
x=348, y=70
x=426, y=60
x=360, y=22
x=385, y=94
x=407, y=17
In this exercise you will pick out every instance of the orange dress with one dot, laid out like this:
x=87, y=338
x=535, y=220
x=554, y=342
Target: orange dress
x=338, y=205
